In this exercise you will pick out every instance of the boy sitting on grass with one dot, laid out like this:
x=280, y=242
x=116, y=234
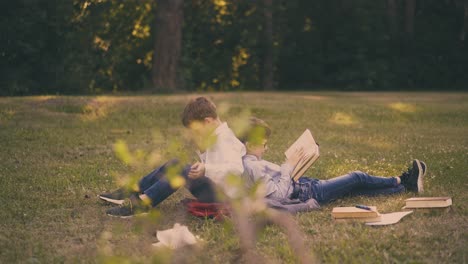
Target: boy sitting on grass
x=279, y=184
x=220, y=153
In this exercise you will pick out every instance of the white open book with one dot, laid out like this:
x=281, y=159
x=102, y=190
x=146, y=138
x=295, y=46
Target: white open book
x=311, y=151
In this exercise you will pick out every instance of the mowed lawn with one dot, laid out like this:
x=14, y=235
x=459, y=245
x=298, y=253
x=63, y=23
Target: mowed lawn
x=57, y=154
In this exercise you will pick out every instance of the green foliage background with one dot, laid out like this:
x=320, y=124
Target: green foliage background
x=96, y=46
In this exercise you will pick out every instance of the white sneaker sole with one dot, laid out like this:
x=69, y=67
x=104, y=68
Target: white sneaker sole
x=424, y=167
x=420, y=177
x=119, y=202
x=127, y=216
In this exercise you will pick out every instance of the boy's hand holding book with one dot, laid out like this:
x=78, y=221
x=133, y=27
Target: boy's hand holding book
x=297, y=155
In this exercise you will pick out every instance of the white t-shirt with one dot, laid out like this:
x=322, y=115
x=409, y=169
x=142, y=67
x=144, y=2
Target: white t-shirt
x=223, y=158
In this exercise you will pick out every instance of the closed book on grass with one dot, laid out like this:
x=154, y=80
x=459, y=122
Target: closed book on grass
x=307, y=143
x=362, y=219
x=356, y=214
x=428, y=202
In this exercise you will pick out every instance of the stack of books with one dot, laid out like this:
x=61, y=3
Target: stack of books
x=345, y=214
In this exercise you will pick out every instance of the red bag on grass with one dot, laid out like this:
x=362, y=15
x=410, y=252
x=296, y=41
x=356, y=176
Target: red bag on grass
x=210, y=210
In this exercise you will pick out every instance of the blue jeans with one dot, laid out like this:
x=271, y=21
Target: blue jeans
x=354, y=183
x=156, y=186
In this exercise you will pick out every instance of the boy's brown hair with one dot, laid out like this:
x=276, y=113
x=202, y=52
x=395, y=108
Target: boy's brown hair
x=197, y=110
x=257, y=131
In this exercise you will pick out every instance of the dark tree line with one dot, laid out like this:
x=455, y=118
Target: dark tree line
x=95, y=46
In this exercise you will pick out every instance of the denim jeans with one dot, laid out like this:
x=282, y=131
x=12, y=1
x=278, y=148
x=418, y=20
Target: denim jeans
x=156, y=186
x=355, y=183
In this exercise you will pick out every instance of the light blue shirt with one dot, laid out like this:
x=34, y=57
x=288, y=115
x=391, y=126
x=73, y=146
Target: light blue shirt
x=277, y=179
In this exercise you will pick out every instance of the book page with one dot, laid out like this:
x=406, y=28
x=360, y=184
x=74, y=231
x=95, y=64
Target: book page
x=391, y=218
x=311, y=150
x=305, y=141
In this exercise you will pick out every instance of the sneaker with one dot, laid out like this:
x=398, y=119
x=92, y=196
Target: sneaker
x=115, y=197
x=131, y=206
x=421, y=178
x=405, y=176
x=413, y=178
x=423, y=167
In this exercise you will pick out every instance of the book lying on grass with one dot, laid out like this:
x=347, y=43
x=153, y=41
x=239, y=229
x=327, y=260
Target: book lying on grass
x=428, y=202
x=311, y=150
x=356, y=214
x=370, y=216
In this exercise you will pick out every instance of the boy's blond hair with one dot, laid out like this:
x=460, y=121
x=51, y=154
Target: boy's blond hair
x=257, y=131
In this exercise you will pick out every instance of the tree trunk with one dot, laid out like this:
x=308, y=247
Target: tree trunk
x=268, y=68
x=392, y=17
x=410, y=6
x=167, y=46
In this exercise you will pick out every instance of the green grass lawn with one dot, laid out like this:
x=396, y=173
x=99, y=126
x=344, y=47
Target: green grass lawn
x=57, y=155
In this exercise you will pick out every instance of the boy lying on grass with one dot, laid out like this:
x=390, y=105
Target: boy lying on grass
x=279, y=184
x=220, y=154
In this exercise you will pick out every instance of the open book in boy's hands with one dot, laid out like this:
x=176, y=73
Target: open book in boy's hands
x=311, y=154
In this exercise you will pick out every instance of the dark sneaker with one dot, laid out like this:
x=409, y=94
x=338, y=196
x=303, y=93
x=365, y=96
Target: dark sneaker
x=413, y=179
x=131, y=206
x=404, y=177
x=115, y=197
